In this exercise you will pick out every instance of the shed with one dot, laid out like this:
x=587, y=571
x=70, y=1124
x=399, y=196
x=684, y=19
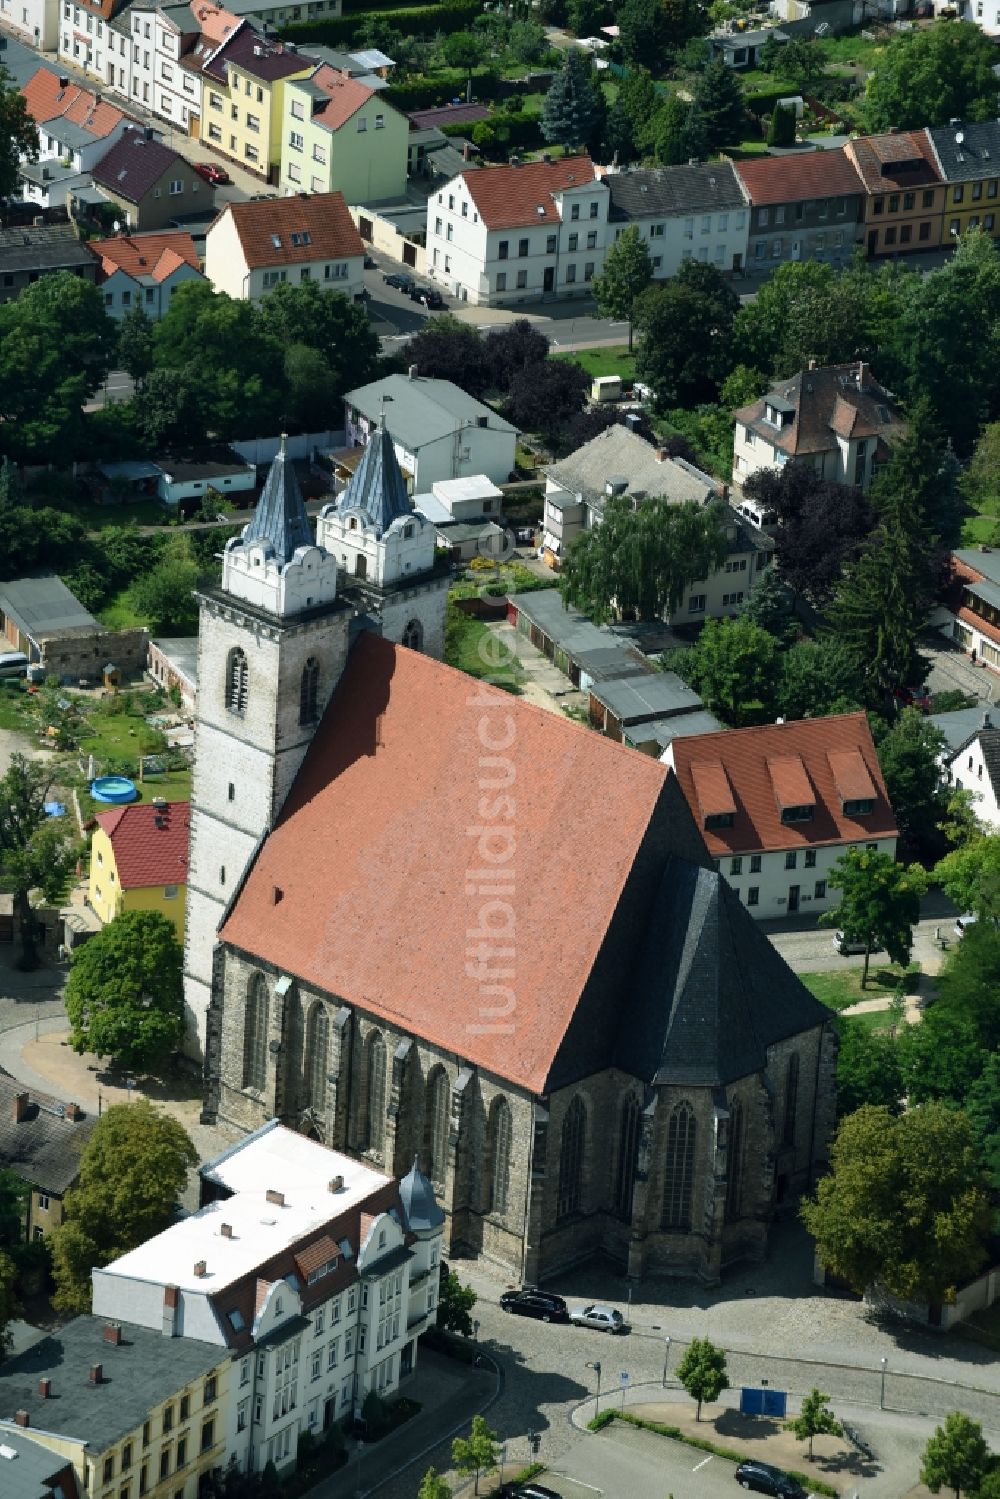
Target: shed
x=31, y=609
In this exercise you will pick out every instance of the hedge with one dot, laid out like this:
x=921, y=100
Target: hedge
x=417, y=21
x=763, y=103
x=597, y=1423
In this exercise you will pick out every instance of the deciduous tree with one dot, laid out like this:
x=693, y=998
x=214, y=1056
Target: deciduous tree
x=815, y=680
x=543, y=397
x=124, y=996
x=732, y=666
x=823, y=525
x=35, y=851
x=18, y=134
x=135, y=343
x=445, y=349
x=511, y=349
x=340, y=330
x=643, y=33
x=684, y=326
x=879, y=902
x=932, y=75
x=165, y=595
x=476, y=1453
x=970, y=876
x=956, y=1456
x=702, y=1372
x=628, y=270
x=908, y=754
x=815, y=1419
x=869, y=1068
x=455, y=1303
x=433, y=1486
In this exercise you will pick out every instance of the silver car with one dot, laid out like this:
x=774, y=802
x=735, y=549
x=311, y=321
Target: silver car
x=604, y=1318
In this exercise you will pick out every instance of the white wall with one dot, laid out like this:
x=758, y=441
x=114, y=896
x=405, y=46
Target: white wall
x=226, y=268
x=715, y=238
x=480, y=450
x=156, y=79
x=724, y=592
x=967, y=770
x=774, y=880
x=34, y=21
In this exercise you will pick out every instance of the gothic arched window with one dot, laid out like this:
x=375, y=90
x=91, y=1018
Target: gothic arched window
x=413, y=635
x=734, y=1183
x=375, y=1084
x=317, y=1042
x=571, y=1153
x=255, y=1034
x=498, y=1154
x=436, y=1125
x=678, y=1182
x=237, y=681
x=629, y=1125
x=791, y=1098
x=309, y=691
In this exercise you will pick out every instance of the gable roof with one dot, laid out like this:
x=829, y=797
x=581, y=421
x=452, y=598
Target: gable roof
x=618, y=451
x=134, y=166
x=214, y=21
x=510, y=196
x=895, y=161
x=45, y=1145
x=280, y=519
x=153, y=256
x=988, y=739
x=294, y=231
x=419, y=410
x=789, y=179
x=758, y=772
x=48, y=100
x=339, y=911
x=339, y=98
x=150, y=843
x=696, y=188
x=835, y=400
x=965, y=152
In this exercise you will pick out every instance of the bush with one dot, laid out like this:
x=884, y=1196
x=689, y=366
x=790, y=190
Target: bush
x=374, y=1412
x=414, y=21
x=765, y=102
x=781, y=130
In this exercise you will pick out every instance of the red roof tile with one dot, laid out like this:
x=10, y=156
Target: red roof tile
x=344, y=96
x=788, y=179
x=507, y=197
x=321, y=221
x=150, y=843
x=46, y=101
x=835, y=400
x=790, y=764
x=893, y=162
x=154, y=254
x=384, y=920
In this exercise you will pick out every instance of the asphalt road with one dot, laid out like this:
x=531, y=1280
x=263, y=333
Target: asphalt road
x=622, y=1460
x=808, y=948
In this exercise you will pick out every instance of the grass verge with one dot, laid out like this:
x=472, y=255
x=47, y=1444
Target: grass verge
x=674, y=1433
x=472, y=647
x=842, y=988
x=614, y=360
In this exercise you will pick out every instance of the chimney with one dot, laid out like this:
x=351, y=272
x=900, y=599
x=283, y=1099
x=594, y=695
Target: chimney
x=662, y=455
x=73, y=1111
x=96, y=1374
x=64, y=83
x=113, y=1333
x=21, y=1418
x=147, y=134
x=987, y=720
x=21, y=1101
x=170, y=1299
x=45, y=1388
x=412, y=372
x=200, y=1269
x=812, y=364
x=278, y=1198
x=466, y=151
x=337, y=1184
x=862, y=372
x=226, y=1230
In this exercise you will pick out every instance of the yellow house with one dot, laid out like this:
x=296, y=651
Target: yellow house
x=139, y=860
x=244, y=98
x=968, y=157
x=134, y=1411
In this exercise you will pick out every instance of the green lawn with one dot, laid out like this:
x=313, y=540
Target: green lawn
x=850, y=49
x=841, y=987
x=119, y=614
x=509, y=577
x=471, y=647
x=612, y=360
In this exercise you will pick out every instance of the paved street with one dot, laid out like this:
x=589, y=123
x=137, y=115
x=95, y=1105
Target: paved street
x=808, y=948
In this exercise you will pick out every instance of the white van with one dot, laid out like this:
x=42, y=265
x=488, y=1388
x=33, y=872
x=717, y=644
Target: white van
x=13, y=664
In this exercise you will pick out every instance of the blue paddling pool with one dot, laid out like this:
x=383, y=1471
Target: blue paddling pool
x=113, y=789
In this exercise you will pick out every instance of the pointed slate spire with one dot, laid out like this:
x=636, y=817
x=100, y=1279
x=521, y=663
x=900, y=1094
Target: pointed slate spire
x=280, y=517
x=419, y=1203
x=377, y=486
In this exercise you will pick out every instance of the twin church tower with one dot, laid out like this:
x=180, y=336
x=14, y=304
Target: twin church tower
x=273, y=640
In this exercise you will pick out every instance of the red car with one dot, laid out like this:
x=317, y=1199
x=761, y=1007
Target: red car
x=211, y=173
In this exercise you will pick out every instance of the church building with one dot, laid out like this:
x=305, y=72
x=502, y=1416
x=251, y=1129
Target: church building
x=429, y=919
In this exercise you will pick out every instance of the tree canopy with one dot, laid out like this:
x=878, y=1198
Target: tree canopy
x=931, y=75
x=823, y=525
x=878, y=611
x=869, y=1068
x=573, y=110
x=908, y=752
x=956, y=1456
x=702, y=1372
x=970, y=876
x=684, y=325
x=543, y=396
x=627, y=272
x=476, y=1453
x=36, y=853
x=879, y=902
x=732, y=666
x=18, y=134
x=815, y=1419
x=124, y=996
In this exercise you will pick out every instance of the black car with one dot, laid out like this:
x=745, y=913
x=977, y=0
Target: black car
x=431, y=298
x=528, y=1302
x=533, y=1491
x=767, y=1479
x=400, y=281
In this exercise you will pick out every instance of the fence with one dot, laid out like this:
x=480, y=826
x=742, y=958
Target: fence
x=263, y=449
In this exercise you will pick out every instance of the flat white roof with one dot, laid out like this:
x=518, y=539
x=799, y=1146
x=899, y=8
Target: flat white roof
x=275, y=1159
x=472, y=487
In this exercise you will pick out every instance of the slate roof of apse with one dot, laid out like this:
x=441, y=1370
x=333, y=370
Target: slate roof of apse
x=975, y=156
x=711, y=993
x=47, y=247
x=827, y=402
x=46, y=101
x=29, y=1475
x=247, y=49
x=41, y=605
x=147, y=256
x=449, y=114
x=143, y=1370
x=636, y=698
x=421, y=410
x=377, y=486
x=878, y=159
x=619, y=452
x=43, y=1148
x=337, y=910
x=509, y=197
x=790, y=760
x=339, y=97
x=674, y=190
x=145, y=853
x=134, y=166
x=789, y=179
x=280, y=518
x=960, y=726
x=321, y=216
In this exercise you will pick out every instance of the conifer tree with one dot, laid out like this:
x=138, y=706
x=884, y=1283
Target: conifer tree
x=718, y=100
x=570, y=112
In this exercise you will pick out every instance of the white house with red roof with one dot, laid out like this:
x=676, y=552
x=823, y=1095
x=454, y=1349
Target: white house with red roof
x=779, y=804
x=74, y=125
x=507, y=234
x=144, y=270
x=139, y=860
x=253, y=247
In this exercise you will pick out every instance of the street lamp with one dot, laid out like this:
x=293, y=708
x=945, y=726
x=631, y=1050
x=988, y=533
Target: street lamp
x=596, y=1366
x=666, y=1360
x=881, y=1397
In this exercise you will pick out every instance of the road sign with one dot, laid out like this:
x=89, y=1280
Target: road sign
x=754, y=1402
x=623, y=1377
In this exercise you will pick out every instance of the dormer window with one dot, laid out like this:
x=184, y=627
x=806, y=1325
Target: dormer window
x=859, y=808
x=803, y=813
x=719, y=820
x=792, y=788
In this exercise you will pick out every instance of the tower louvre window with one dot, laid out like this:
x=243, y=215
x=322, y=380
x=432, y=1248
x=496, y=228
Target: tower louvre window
x=237, y=674
x=309, y=692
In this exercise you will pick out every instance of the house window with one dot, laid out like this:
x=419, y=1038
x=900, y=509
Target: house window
x=878, y=206
x=250, y=152
x=181, y=1453
x=954, y=227
x=501, y=281
x=791, y=859
x=550, y=244
x=753, y=895
x=571, y=273
x=755, y=862
x=253, y=123
x=296, y=140
x=925, y=231
x=498, y=1155
x=595, y=209
x=170, y=892
x=436, y=1128
x=208, y=1433
x=776, y=249
x=958, y=193
x=571, y=1158
x=736, y=866
x=573, y=243
x=522, y=248
x=696, y=603
x=176, y=187
x=255, y=1035
x=588, y=271
x=592, y=240
x=819, y=890
x=928, y=198
x=380, y=125
x=779, y=218
x=522, y=280
x=574, y=211
x=362, y=125
x=810, y=858
x=297, y=109
x=502, y=249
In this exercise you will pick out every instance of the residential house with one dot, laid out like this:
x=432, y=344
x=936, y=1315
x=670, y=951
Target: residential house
x=313, y=1273
x=194, y=476
x=905, y=192
x=252, y=247
x=974, y=766
x=278, y=13
x=968, y=158
x=144, y=270
x=508, y=234
x=465, y=515
x=438, y=430
x=618, y=462
x=26, y=255
x=89, y=40
x=778, y=805
x=836, y=417
x=41, y=1141
x=957, y=727
x=695, y=212
x=35, y=22
x=158, y=38
x=970, y=613
x=244, y=101
x=740, y=49
x=30, y=1471
x=75, y=129
x=34, y=608
x=340, y=135
x=806, y=206
x=149, y=181
x=130, y=1407
x=982, y=13
x=139, y=860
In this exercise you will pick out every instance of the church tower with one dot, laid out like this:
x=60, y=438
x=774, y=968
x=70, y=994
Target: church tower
x=385, y=550
x=272, y=643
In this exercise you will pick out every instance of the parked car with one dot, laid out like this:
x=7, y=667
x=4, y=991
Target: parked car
x=604, y=1318
x=212, y=173
x=400, y=280
x=914, y=697
x=431, y=298
x=767, y=1479
x=530, y=1302
x=850, y=946
x=13, y=664
x=962, y=924
x=533, y=1491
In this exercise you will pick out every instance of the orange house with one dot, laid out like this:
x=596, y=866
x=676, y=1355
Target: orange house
x=905, y=191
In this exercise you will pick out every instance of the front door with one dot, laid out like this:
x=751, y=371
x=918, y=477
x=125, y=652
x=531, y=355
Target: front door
x=737, y=262
x=872, y=241
x=796, y=250
x=329, y=1410
x=793, y=898
x=549, y=279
